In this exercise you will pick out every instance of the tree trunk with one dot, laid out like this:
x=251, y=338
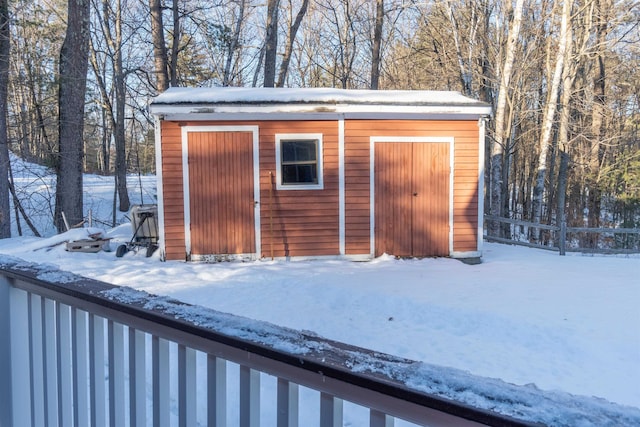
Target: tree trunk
x=106, y=143
x=293, y=30
x=562, y=192
x=499, y=140
x=486, y=95
x=226, y=79
x=568, y=80
x=119, y=79
x=175, y=44
x=549, y=114
x=271, y=43
x=159, y=47
x=40, y=120
x=5, y=46
x=71, y=100
x=377, y=41
x=597, y=126
x=464, y=74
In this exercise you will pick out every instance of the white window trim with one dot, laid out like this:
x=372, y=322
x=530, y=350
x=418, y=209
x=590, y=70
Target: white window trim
x=299, y=136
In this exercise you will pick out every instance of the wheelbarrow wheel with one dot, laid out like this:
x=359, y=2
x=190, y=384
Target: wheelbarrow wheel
x=122, y=249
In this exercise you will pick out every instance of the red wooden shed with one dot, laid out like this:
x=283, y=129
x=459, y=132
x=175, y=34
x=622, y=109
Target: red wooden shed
x=278, y=172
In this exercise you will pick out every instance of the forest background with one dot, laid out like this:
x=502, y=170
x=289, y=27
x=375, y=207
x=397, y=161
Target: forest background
x=563, y=78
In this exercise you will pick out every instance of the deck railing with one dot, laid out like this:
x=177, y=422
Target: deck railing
x=77, y=352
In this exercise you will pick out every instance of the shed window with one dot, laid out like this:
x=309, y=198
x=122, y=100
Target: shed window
x=299, y=161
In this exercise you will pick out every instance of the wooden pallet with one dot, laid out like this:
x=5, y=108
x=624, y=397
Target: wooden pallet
x=87, y=245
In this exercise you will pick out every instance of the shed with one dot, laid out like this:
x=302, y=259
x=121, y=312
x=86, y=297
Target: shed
x=307, y=173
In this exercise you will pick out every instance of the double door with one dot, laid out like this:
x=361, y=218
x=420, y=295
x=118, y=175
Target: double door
x=412, y=198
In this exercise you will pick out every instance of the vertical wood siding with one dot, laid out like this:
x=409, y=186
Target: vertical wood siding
x=299, y=222
x=221, y=193
x=393, y=204
x=173, y=193
x=431, y=175
x=465, y=190
x=305, y=222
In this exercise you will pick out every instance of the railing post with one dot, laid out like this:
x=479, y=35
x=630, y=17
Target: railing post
x=380, y=419
x=160, y=371
x=80, y=339
x=64, y=356
x=187, y=404
x=49, y=344
x=36, y=360
x=115, y=341
x=287, y=403
x=97, y=392
x=330, y=411
x=20, y=367
x=137, y=378
x=249, y=397
x=6, y=415
x=216, y=391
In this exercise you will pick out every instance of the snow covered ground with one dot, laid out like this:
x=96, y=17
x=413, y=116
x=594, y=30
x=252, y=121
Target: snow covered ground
x=526, y=316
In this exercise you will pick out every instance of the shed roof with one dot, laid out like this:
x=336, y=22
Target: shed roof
x=181, y=103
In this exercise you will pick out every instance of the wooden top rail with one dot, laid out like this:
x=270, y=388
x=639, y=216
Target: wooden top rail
x=569, y=229
x=520, y=222
x=351, y=373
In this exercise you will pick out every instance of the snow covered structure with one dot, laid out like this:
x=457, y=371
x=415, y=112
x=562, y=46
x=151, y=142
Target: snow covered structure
x=279, y=172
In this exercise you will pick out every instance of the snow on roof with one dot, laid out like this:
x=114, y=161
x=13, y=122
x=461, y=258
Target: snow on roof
x=241, y=100
x=245, y=95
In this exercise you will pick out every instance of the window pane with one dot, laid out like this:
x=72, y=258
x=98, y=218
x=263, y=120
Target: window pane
x=299, y=151
x=299, y=174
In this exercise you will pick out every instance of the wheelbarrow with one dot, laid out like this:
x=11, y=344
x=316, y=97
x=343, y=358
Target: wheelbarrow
x=145, y=230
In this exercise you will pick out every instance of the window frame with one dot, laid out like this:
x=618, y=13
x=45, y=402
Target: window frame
x=317, y=138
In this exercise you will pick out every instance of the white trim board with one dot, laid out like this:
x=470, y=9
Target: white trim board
x=482, y=125
x=159, y=187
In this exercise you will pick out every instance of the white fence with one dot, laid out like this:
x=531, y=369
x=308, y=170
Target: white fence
x=77, y=352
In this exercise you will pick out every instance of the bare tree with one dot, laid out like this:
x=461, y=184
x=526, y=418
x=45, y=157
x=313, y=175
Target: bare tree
x=175, y=43
x=499, y=140
x=377, y=42
x=111, y=16
x=120, y=81
x=340, y=41
x=271, y=43
x=71, y=100
x=233, y=44
x=161, y=62
x=291, y=36
x=549, y=114
x=465, y=75
x=5, y=46
x=598, y=129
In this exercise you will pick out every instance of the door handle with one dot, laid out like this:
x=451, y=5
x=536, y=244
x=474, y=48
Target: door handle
x=415, y=194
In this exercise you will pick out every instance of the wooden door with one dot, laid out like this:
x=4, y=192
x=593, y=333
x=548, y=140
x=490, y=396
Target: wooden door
x=411, y=198
x=221, y=193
